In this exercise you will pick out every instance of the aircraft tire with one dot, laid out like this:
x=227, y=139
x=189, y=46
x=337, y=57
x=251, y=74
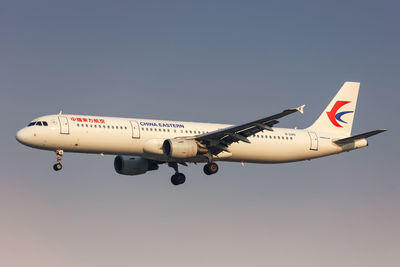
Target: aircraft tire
x=178, y=178
x=210, y=168
x=57, y=166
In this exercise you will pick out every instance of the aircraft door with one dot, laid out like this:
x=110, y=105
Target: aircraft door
x=64, y=126
x=313, y=141
x=135, y=129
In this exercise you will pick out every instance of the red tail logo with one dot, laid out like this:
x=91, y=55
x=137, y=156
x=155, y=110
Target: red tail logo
x=334, y=117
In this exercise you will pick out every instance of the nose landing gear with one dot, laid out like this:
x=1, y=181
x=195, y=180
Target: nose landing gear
x=58, y=165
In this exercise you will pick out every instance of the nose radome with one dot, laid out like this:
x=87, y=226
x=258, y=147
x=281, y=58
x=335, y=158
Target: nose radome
x=22, y=136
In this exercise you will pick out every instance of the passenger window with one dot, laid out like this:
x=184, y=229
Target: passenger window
x=77, y=125
x=126, y=128
x=91, y=125
x=39, y=123
x=112, y=127
x=95, y=126
x=116, y=127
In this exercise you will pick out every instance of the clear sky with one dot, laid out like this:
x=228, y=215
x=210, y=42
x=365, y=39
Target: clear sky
x=208, y=61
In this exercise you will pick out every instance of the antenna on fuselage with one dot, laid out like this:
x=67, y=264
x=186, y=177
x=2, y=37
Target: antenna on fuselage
x=60, y=113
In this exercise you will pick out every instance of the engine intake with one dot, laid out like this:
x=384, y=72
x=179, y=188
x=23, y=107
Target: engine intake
x=129, y=165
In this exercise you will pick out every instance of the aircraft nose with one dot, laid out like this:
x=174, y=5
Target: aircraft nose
x=22, y=136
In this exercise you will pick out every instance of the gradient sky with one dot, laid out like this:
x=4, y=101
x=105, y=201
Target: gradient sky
x=209, y=61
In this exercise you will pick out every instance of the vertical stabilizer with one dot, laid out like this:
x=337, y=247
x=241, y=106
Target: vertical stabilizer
x=337, y=118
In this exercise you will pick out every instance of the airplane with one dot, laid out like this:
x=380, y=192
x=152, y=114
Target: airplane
x=141, y=145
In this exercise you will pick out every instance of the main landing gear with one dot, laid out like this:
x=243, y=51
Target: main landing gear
x=210, y=168
x=58, y=165
x=178, y=178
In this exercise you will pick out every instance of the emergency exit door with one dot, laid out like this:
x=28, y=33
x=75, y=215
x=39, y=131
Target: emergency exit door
x=313, y=141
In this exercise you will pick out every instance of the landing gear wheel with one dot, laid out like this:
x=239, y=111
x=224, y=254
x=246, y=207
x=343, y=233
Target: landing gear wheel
x=210, y=168
x=57, y=166
x=178, y=178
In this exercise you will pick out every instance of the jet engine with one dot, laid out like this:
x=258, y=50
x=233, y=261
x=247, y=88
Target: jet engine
x=129, y=165
x=182, y=149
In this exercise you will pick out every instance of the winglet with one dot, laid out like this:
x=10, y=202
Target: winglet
x=301, y=109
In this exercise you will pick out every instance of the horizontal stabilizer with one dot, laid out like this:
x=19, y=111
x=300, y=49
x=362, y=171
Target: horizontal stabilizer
x=359, y=136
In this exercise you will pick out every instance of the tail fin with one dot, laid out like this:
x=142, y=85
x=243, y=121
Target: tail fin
x=338, y=116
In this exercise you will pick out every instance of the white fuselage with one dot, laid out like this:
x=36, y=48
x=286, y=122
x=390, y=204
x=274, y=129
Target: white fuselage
x=130, y=136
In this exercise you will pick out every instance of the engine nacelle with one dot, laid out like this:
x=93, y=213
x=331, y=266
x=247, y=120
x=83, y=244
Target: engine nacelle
x=129, y=165
x=180, y=148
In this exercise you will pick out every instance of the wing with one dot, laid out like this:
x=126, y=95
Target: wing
x=220, y=140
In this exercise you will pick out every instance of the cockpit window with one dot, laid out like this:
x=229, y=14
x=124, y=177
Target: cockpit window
x=38, y=123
